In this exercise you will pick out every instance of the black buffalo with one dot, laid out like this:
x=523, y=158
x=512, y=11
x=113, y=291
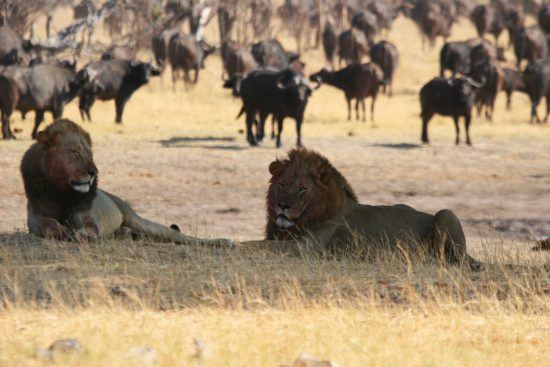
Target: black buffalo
x=185, y=54
x=385, y=54
x=357, y=81
x=280, y=93
x=537, y=85
x=448, y=97
x=531, y=44
x=114, y=79
x=238, y=62
x=455, y=56
x=513, y=80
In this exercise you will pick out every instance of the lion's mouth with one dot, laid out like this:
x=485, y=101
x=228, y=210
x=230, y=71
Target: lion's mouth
x=283, y=221
x=83, y=186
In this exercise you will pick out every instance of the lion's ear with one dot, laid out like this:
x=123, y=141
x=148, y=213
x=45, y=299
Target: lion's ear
x=321, y=171
x=47, y=139
x=276, y=167
x=87, y=137
x=42, y=137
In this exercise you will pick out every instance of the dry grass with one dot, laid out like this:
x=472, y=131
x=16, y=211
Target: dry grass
x=179, y=157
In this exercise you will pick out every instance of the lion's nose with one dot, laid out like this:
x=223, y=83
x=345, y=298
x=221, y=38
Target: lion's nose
x=284, y=206
x=92, y=173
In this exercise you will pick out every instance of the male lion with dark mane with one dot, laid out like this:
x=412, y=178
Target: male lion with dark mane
x=309, y=200
x=60, y=179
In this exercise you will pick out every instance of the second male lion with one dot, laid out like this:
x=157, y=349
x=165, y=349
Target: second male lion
x=60, y=179
x=309, y=200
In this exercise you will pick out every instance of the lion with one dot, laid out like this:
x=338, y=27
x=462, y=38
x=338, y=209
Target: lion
x=64, y=202
x=308, y=200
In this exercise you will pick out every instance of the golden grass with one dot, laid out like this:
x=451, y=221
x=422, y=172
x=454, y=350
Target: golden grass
x=179, y=157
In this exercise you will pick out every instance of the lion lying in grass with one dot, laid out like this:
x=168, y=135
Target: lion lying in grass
x=60, y=179
x=308, y=200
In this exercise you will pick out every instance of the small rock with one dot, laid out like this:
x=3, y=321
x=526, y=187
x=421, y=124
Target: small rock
x=146, y=355
x=351, y=133
x=66, y=346
x=305, y=360
x=60, y=346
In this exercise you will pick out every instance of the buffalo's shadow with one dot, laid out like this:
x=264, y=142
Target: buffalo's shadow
x=403, y=146
x=188, y=142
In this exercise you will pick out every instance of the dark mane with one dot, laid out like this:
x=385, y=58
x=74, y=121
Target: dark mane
x=40, y=191
x=311, y=158
x=303, y=160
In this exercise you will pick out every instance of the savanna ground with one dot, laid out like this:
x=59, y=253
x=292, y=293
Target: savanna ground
x=182, y=158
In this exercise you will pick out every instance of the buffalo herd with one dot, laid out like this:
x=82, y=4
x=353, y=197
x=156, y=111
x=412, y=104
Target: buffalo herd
x=271, y=80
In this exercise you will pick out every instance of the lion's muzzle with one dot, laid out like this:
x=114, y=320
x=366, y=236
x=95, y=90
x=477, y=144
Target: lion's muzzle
x=84, y=184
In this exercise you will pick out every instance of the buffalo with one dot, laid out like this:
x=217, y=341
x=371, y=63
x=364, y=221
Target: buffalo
x=455, y=56
x=330, y=43
x=385, y=54
x=490, y=75
x=160, y=44
x=357, y=81
x=352, y=46
x=488, y=19
x=238, y=62
x=114, y=79
x=280, y=93
x=531, y=44
x=513, y=80
x=448, y=97
x=41, y=88
x=186, y=53
x=271, y=54
x=537, y=85
x=13, y=49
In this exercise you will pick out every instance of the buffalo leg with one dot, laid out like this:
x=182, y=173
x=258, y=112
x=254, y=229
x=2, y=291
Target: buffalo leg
x=38, y=118
x=260, y=131
x=174, y=78
x=508, y=99
x=457, y=130
x=279, y=130
x=372, y=107
x=119, y=107
x=357, y=117
x=348, y=100
x=467, y=121
x=6, y=130
x=196, y=79
x=426, y=117
x=547, y=109
x=272, y=127
x=299, y=121
x=534, y=114
x=250, y=117
x=364, y=110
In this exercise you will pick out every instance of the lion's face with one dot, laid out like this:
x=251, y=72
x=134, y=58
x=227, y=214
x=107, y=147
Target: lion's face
x=294, y=192
x=303, y=191
x=68, y=162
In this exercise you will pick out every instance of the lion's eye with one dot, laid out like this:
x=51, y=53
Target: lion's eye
x=77, y=154
x=301, y=190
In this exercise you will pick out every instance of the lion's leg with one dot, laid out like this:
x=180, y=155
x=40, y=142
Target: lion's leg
x=449, y=240
x=44, y=226
x=146, y=227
